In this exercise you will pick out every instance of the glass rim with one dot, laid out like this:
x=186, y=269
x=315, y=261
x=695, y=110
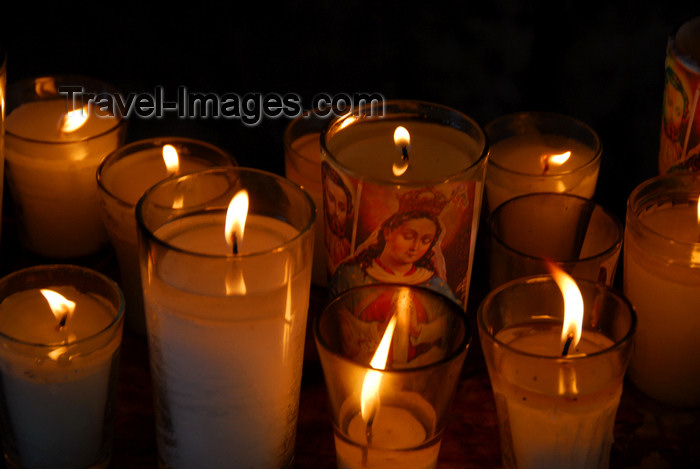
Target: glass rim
x=408, y=110
x=595, y=159
x=545, y=278
x=462, y=348
x=609, y=250
x=146, y=144
x=308, y=114
x=75, y=270
x=636, y=203
x=306, y=230
x=119, y=123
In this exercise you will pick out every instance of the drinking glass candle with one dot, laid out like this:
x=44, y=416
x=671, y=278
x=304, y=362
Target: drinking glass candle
x=402, y=197
x=302, y=164
x=60, y=335
x=680, y=125
x=226, y=260
x=662, y=280
x=52, y=152
x=122, y=178
x=577, y=234
x=540, y=152
x=391, y=357
x=556, y=393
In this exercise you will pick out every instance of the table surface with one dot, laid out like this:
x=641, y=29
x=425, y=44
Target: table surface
x=647, y=434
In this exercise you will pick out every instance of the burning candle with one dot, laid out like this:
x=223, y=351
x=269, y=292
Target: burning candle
x=226, y=303
x=122, y=178
x=391, y=357
x=557, y=381
x=540, y=152
x=52, y=153
x=302, y=164
x=402, y=195
x=60, y=330
x=662, y=280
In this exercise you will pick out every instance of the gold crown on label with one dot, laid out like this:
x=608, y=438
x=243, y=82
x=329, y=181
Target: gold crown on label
x=425, y=200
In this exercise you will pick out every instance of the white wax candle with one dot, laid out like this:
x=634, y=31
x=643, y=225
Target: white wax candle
x=436, y=152
x=515, y=168
x=303, y=166
x=403, y=434
x=554, y=416
x=51, y=175
x=227, y=367
x=126, y=180
x=665, y=293
x=56, y=406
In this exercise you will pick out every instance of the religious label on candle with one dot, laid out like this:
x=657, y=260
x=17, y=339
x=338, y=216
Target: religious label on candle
x=52, y=154
x=58, y=363
x=402, y=199
x=680, y=124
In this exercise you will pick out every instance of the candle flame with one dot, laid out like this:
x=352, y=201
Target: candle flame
x=401, y=137
x=73, y=120
x=61, y=307
x=556, y=160
x=170, y=157
x=573, y=306
x=235, y=218
x=370, y=387
x=402, y=140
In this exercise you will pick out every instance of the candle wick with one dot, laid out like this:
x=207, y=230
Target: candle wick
x=567, y=344
x=62, y=322
x=235, y=243
x=404, y=152
x=544, y=161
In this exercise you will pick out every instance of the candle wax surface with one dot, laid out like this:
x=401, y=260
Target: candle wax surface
x=132, y=175
x=40, y=120
x=436, y=151
x=546, y=340
x=524, y=154
x=26, y=316
x=679, y=222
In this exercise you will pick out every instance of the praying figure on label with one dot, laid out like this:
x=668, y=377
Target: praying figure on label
x=403, y=249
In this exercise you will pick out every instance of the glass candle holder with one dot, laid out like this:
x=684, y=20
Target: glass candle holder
x=661, y=278
x=528, y=153
x=51, y=162
x=3, y=88
x=402, y=197
x=226, y=318
x=59, y=371
x=679, y=148
x=554, y=410
x=578, y=235
x=390, y=414
x=122, y=178
x=302, y=164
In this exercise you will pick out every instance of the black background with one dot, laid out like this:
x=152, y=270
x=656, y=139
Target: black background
x=600, y=62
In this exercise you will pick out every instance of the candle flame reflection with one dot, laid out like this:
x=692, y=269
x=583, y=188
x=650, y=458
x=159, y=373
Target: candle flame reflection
x=61, y=307
x=73, y=120
x=369, y=399
x=171, y=159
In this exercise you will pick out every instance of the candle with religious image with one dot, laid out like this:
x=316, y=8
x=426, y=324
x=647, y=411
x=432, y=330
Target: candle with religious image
x=53, y=148
x=540, y=152
x=402, y=196
x=679, y=148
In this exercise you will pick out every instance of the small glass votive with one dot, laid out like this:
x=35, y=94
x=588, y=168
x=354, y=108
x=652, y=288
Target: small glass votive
x=540, y=152
x=390, y=402
x=53, y=146
x=661, y=278
x=59, y=371
x=122, y=178
x=226, y=315
x=555, y=410
x=578, y=235
x=302, y=164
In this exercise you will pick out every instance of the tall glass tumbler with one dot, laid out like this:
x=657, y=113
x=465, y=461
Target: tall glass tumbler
x=226, y=315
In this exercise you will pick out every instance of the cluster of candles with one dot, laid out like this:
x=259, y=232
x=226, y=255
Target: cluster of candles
x=216, y=264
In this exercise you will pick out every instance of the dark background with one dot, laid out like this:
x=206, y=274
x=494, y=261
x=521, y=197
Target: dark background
x=600, y=62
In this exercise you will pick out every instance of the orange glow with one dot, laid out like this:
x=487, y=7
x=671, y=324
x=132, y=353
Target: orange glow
x=170, y=157
x=73, y=120
x=61, y=307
